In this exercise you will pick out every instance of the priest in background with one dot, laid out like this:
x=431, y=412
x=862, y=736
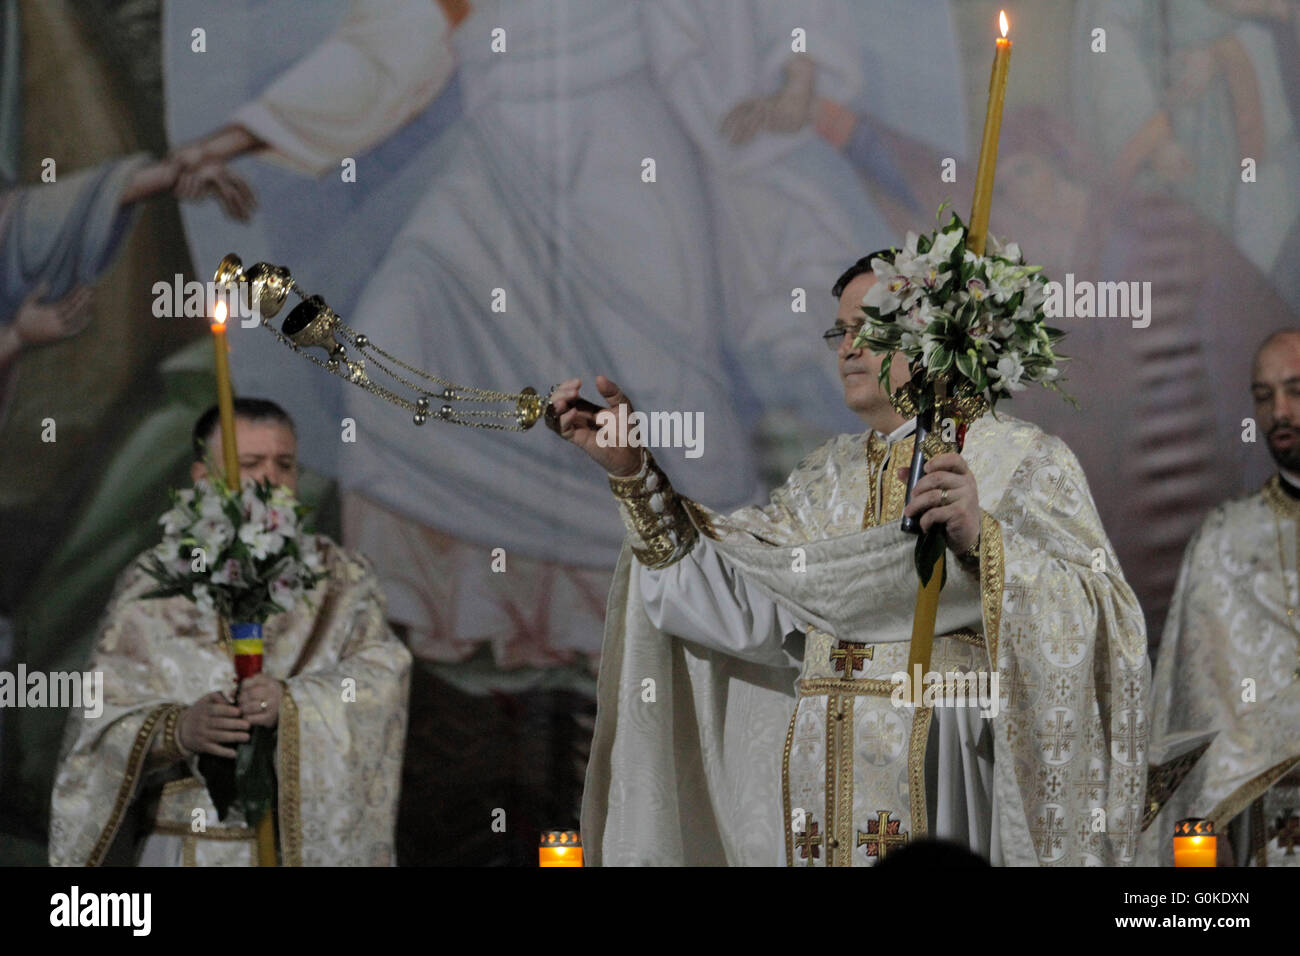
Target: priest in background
x=746, y=711
x=1226, y=696
x=129, y=787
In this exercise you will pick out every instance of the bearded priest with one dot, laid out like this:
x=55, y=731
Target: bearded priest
x=1226, y=697
x=750, y=704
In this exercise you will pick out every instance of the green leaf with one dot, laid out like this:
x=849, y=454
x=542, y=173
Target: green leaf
x=930, y=547
x=255, y=774
x=966, y=365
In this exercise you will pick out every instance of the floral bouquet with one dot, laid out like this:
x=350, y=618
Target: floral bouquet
x=244, y=555
x=973, y=323
x=973, y=331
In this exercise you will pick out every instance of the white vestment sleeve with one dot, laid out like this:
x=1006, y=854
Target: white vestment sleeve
x=383, y=65
x=703, y=599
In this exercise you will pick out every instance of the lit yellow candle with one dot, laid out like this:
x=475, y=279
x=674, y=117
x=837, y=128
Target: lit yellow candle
x=225, y=396
x=927, y=596
x=266, y=855
x=1195, y=843
x=983, y=200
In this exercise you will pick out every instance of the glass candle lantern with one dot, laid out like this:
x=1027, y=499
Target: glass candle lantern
x=1195, y=843
x=560, y=848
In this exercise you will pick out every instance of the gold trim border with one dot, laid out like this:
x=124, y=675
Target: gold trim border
x=1243, y=796
x=786, y=800
x=181, y=786
x=916, y=771
x=845, y=734
x=134, y=764
x=289, y=797
x=870, y=686
x=992, y=575
x=165, y=828
x=1283, y=505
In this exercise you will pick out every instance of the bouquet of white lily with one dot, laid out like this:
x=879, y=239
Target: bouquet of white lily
x=974, y=323
x=242, y=554
x=973, y=330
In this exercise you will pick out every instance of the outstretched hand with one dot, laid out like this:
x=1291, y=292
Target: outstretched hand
x=579, y=421
x=39, y=321
x=786, y=111
x=213, y=178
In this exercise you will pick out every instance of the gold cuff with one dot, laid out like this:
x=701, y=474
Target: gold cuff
x=660, y=529
x=169, y=739
x=970, y=558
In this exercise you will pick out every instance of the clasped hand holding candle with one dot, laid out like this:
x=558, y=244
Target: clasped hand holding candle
x=947, y=494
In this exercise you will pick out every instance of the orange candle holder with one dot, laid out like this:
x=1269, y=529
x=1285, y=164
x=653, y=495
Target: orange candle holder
x=560, y=848
x=1195, y=843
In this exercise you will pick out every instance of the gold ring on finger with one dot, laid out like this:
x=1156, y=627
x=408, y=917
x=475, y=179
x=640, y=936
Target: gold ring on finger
x=943, y=496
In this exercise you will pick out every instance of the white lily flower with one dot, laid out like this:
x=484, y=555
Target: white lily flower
x=213, y=534
x=176, y=520
x=912, y=321
x=1009, y=250
x=229, y=573
x=944, y=244
x=261, y=543
x=890, y=289
x=280, y=518
x=210, y=506
x=1008, y=373
x=284, y=590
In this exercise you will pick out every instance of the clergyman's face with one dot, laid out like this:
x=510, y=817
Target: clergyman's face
x=1275, y=387
x=860, y=368
x=268, y=450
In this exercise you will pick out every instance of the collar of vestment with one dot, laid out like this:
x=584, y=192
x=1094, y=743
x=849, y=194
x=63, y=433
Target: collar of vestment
x=885, y=453
x=901, y=432
x=1282, y=497
x=1290, y=482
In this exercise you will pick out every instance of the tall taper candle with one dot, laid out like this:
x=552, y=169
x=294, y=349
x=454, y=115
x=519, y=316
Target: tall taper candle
x=225, y=397
x=983, y=199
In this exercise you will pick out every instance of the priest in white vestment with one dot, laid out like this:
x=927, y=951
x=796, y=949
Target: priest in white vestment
x=130, y=787
x=1225, y=742
x=746, y=711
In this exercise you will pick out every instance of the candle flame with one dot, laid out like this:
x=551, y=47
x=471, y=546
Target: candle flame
x=1002, y=21
x=219, y=314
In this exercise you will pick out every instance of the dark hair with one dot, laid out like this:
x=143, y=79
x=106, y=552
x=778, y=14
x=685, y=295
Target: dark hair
x=861, y=267
x=249, y=409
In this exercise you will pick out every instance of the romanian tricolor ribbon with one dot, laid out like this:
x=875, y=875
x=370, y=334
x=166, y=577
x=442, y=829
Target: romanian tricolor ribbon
x=246, y=644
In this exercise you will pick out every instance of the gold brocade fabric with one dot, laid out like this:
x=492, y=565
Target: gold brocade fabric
x=1226, y=674
x=853, y=759
x=341, y=731
x=741, y=763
